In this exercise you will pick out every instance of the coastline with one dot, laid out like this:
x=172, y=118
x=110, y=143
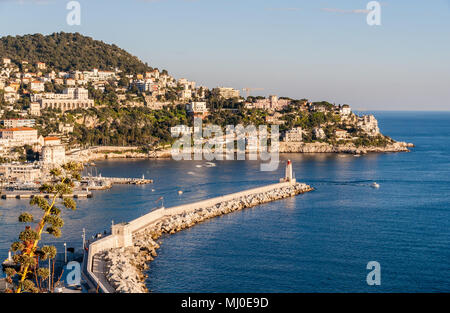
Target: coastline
x=125, y=267
x=284, y=147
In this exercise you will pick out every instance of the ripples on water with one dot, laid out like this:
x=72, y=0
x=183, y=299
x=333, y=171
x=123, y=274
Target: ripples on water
x=317, y=242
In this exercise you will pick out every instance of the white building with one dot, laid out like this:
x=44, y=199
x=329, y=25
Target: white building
x=226, y=92
x=21, y=135
x=70, y=99
x=53, y=154
x=181, y=129
x=37, y=85
x=294, y=135
x=369, y=124
x=185, y=94
x=52, y=141
x=341, y=134
x=21, y=172
x=345, y=110
x=35, y=109
x=18, y=122
x=65, y=128
x=319, y=133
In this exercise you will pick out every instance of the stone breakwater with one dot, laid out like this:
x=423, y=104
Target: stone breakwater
x=125, y=267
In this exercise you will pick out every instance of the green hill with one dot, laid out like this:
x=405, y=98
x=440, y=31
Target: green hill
x=69, y=51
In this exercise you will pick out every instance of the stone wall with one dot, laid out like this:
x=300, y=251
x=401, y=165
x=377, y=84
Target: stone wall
x=122, y=234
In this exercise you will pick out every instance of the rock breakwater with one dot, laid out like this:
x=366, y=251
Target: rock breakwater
x=125, y=267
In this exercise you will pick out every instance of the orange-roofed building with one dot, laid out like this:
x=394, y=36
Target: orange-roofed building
x=52, y=141
x=24, y=135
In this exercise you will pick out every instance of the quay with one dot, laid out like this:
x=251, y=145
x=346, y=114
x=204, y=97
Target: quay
x=30, y=194
x=116, y=263
x=117, y=180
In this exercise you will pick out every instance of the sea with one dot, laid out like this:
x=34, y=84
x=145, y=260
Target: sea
x=322, y=241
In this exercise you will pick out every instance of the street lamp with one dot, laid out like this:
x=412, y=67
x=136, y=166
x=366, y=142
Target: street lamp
x=65, y=253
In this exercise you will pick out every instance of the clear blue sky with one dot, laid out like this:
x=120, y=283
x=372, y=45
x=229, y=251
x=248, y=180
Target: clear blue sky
x=321, y=50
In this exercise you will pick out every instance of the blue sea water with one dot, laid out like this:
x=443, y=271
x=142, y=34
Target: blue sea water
x=316, y=242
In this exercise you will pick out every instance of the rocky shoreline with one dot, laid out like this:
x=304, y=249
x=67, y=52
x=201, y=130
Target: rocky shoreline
x=125, y=267
x=285, y=147
x=323, y=147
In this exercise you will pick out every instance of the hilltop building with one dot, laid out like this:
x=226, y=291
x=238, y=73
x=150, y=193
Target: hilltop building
x=226, y=92
x=369, y=124
x=70, y=99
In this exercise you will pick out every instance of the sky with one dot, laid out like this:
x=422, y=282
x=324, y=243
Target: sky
x=319, y=50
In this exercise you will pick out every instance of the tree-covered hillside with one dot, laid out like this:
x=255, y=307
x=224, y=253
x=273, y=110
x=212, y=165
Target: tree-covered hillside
x=69, y=51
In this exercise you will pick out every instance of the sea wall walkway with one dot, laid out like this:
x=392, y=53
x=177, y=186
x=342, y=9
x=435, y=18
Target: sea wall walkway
x=122, y=234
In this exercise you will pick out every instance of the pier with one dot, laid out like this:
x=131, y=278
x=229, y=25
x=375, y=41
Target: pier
x=30, y=194
x=138, y=234
x=117, y=180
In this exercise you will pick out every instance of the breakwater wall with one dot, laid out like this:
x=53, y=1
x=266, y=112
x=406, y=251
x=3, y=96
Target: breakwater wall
x=116, y=262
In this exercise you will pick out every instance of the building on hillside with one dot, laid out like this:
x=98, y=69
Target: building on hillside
x=53, y=154
x=10, y=95
x=345, y=110
x=21, y=135
x=294, y=135
x=41, y=65
x=65, y=128
x=70, y=99
x=319, y=107
x=37, y=85
x=319, y=133
x=226, y=92
x=369, y=124
x=275, y=119
x=6, y=61
x=18, y=122
x=35, y=109
x=21, y=172
x=180, y=129
x=52, y=141
x=185, y=94
x=271, y=103
x=70, y=82
x=198, y=109
x=341, y=134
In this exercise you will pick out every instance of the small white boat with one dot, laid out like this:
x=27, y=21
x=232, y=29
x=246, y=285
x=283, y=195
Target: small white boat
x=180, y=192
x=198, y=165
x=375, y=185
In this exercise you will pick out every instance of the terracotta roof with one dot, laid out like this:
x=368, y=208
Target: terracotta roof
x=16, y=129
x=51, y=138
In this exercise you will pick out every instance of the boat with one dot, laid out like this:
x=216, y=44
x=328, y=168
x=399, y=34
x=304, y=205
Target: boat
x=375, y=185
x=180, y=192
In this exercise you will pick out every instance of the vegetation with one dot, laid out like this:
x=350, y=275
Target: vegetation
x=25, y=275
x=68, y=51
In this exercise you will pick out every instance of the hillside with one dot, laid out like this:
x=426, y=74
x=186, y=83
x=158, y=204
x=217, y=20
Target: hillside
x=69, y=51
